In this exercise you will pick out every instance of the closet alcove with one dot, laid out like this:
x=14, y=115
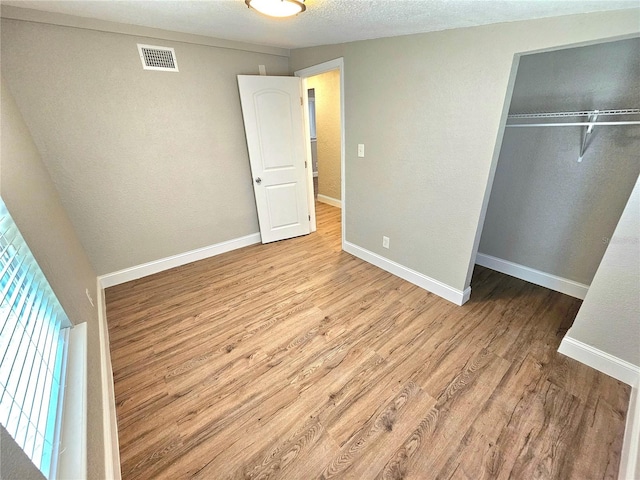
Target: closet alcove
x=559, y=190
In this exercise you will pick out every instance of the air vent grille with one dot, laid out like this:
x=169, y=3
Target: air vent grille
x=158, y=58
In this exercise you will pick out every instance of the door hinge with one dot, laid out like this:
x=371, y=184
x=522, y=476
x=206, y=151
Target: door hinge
x=309, y=217
x=301, y=101
x=305, y=164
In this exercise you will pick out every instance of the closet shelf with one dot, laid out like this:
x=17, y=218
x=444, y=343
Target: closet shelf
x=582, y=113
x=590, y=123
x=591, y=115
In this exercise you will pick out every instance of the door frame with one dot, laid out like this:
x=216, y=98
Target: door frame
x=336, y=64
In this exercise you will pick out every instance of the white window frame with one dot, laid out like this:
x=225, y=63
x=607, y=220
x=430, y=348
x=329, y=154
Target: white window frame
x=68, y=454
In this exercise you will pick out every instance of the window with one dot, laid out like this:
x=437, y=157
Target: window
x=34, y=332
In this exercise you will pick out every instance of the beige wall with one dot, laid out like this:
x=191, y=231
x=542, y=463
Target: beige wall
x=327, y=99
x=608, y=318
x=34, y=204
x=148, y=164
x=14, y=463
x=548, y=211
x=428, y=108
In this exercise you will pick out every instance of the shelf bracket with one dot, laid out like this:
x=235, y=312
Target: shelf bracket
x=585, y=141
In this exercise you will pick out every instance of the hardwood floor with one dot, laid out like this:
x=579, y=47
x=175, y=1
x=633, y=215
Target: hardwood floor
x=296, y=360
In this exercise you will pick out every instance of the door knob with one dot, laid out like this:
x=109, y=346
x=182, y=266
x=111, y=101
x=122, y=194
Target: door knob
x=258, y=180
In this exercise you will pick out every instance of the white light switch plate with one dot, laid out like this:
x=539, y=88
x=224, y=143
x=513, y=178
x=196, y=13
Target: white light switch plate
x=361, y=150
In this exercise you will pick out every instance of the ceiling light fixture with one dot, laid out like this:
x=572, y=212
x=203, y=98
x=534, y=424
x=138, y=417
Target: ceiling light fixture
x=277, y=8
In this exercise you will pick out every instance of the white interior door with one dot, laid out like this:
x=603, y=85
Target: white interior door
x=273, y=122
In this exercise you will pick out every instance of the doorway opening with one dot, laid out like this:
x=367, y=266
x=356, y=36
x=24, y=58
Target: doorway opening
x=555, y=199
x=323, y=100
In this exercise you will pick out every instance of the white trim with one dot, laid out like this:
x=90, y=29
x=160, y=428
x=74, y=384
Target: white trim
x=72, y=460
x=334, y=202
x=139, y=271
x=324, y=67
x=432, y=285
x=308, y=156
x=537, y=277
x=631, y=443
x=602, y=361
x=109, y=417
x=336, y=64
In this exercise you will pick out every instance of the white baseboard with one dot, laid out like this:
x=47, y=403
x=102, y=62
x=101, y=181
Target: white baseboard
x=334, y=202
x=531, y=275
x=139, y=271
x=629, y=467
x=109, y=417
x=602, y=361
x=454, y=295
x=625, y=372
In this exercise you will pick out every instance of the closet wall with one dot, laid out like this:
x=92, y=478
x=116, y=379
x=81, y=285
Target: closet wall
x=547, y=211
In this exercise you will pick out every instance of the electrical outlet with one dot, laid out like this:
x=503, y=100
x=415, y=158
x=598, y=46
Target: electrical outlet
x=385, y=242
x=89, y=297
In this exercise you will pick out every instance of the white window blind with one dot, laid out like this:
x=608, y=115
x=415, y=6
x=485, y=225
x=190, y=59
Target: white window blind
x=33, y=339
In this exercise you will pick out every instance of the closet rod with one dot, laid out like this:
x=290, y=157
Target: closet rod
x=591, y=121
x=581, y=113
x=592, y=117
x=573, y=124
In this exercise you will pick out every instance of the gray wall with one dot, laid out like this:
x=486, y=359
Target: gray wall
x=547, y=211
x=608, y=318
x=148, y=164
x=34, y=204
x=428, y=108
x=597, y=76
x=14, y=463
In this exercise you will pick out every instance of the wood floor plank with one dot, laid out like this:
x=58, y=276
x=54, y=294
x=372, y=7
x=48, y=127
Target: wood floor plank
x=368, y=450
x=296, y=360
x=312, y=443
x=445, y=426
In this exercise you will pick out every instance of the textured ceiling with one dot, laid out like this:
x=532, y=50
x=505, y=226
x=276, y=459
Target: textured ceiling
x=325, y=21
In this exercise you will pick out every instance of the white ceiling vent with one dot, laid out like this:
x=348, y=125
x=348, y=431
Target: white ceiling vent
x=158, y=58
